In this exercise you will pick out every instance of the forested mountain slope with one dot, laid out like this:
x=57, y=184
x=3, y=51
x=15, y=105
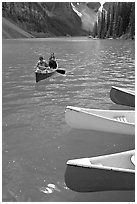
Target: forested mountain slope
x=55, y=19
x=10, y=30
x=44, y=19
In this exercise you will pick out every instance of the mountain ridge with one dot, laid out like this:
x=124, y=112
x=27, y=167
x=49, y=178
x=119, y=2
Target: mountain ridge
x=40, y=19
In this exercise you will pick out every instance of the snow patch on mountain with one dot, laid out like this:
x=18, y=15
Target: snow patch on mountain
x=76, y=11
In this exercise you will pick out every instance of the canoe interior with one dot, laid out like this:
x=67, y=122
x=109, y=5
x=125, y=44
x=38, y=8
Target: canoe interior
x=122, y=161
x=118, y=161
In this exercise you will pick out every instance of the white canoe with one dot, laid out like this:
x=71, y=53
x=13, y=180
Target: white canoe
x=114, y=121
x=122, y=96
x=102, y=173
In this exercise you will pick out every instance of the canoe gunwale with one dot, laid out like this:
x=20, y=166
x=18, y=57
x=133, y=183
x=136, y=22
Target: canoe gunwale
x=128, y=91
x=80, y=110
x=95, y=166
x=88, y=162
x=122, y=96
x=43, y=71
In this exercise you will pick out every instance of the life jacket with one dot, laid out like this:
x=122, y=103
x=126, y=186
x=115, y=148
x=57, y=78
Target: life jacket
x=41, y=64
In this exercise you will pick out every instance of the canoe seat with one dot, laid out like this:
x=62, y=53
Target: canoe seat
x=120, y=119
x=133, y=159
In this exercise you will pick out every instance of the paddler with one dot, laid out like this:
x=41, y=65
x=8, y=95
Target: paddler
x=41, y=64
x=52, y=61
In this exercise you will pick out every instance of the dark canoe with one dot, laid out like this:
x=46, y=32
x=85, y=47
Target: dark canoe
x=122, y=96
x=118, y=174
x=41, y=75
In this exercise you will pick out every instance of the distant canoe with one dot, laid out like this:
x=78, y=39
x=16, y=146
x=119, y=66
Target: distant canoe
x=122, y=96
x=102, y=173
x=113, y=121
x=44, y=74
x=90, y=36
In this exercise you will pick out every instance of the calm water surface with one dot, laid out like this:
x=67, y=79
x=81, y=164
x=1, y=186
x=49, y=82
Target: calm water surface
x=37, y=142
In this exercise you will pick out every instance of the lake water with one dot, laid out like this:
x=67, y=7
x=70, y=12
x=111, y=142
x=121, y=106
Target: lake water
x=37, y=142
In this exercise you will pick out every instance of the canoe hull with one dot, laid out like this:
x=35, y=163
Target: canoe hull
x=81, y=120
x=41, y=75
x=83, y=179
x=102, y=173
x=122, y=96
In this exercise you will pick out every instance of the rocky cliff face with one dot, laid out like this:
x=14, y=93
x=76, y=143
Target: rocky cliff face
x=47, y=19
x=61, y=16
x=88, y=13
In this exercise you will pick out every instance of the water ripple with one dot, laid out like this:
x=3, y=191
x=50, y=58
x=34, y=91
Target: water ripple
x=36, y=139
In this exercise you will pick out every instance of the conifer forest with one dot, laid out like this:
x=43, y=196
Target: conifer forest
x=117, y=21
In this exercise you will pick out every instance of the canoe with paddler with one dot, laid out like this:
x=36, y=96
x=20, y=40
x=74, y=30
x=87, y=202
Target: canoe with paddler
x=45, y=70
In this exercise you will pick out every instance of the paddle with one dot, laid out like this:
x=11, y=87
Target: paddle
x=61, y=71
x=53, y=64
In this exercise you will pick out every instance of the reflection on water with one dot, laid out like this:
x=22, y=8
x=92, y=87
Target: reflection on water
x=37, y=142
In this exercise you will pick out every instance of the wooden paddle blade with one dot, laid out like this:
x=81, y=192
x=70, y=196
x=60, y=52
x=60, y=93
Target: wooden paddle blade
x=61, y=71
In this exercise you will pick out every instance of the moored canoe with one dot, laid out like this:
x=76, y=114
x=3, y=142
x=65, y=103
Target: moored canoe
x=101, y=173
x=122, y=96
x=114, y=121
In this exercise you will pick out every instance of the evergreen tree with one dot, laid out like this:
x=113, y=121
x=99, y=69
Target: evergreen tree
x=132, y=21
x=95, y=30
x=103, y=25
x=107, y=22
x=119, y=20
x=120, y=26
x=99, y=25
